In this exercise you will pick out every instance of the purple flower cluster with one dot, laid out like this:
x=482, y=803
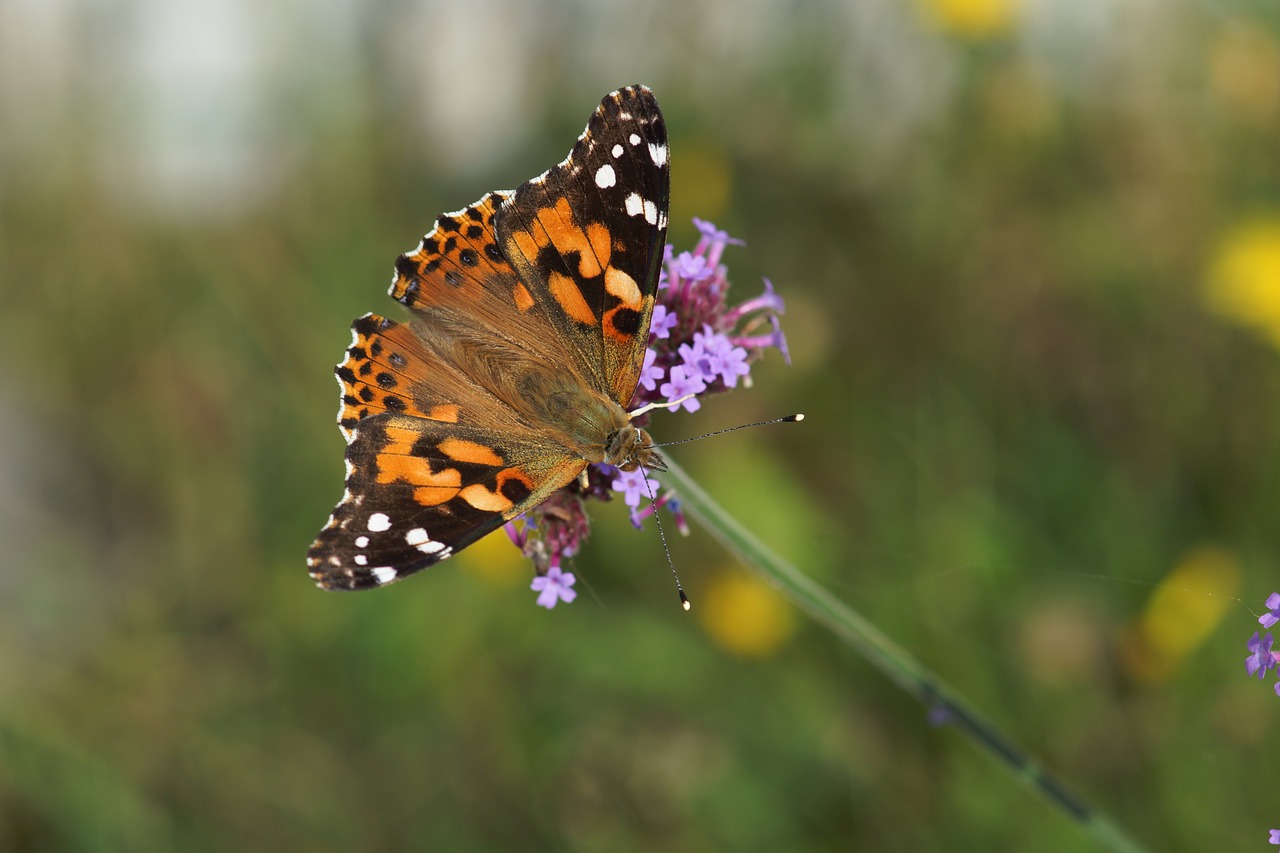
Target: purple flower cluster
x=1261, y=658
x=698, y=346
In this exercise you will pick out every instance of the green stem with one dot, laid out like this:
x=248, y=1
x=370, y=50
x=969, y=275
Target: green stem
x=891, y=659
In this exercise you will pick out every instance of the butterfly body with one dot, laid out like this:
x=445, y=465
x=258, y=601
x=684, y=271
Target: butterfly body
x=529, y=320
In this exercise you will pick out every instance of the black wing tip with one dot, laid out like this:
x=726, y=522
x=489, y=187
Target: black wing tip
x=345, y=579
x=637, y=96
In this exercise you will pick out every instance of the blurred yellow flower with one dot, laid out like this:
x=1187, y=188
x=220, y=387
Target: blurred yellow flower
x=1244, y=71
x=1182, y=611
x=1243, y=280
x=497, y=560
x=744, y=615
x=973, y=18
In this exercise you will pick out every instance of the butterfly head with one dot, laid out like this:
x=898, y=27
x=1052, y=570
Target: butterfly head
x=628, y=447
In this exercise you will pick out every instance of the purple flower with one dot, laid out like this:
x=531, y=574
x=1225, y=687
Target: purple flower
x=1275, y=837
x=696, y=360
x=1261, y=658
x=775, y=339
x=767, y=301
x=713, y=241
x=633, y=486
x=690, y=267
x=664, y=320
x=1272, y=616
x=666, y=501
x=650, y=374
x=713, y=234
x=684, y=381
x=553, y=587
x=724, y=360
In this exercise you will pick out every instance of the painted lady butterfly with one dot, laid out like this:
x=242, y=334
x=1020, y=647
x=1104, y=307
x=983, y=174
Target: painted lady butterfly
x=529, y=320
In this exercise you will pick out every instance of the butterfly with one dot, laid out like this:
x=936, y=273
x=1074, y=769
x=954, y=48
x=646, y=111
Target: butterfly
x=528, y=323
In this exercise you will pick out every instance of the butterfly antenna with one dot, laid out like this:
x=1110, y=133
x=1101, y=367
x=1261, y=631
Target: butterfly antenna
x=669, y=404
x=684, y=599
x=789, y=419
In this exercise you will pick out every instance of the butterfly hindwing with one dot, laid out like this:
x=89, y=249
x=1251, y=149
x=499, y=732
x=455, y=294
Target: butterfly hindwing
x=433, y=462
x=587, y=237
x=418, y=491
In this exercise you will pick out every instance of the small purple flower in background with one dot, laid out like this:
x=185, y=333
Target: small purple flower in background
x=1272, y=616
x=667, y=501
x=1275, y=837
x=553, y=587
x=699, y=345
x=1260, y=660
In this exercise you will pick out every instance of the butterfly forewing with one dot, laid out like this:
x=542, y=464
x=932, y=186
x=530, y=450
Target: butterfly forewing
x=547, y=290
x=587, y=237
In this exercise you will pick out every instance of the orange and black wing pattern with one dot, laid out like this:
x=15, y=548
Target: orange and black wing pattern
x=587, y=238
x=546, y=288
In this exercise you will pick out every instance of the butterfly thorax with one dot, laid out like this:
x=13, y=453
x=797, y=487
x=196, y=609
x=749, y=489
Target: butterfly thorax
x=589, y=423
x=546, y=392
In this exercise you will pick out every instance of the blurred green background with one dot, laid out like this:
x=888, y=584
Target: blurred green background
x=1031, y=256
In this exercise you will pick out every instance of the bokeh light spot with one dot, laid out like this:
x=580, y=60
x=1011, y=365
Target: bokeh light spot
x=1182, y=611
x=744, y=615
x=973, y=18
x=1243, y=281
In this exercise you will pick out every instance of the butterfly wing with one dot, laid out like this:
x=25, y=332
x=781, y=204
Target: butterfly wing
x=587, y=237
x=434, y=462
x=552, y=283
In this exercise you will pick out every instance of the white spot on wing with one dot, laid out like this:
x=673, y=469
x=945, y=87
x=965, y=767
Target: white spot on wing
x=650, y=213
x=635, y=205
x=362, y=541
x=418, y=538
x=361, y=559
x=634, y=139
x=379, y=522
x=605, y=177
x=384, y=574
x=617, y=151
x=658, y=153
